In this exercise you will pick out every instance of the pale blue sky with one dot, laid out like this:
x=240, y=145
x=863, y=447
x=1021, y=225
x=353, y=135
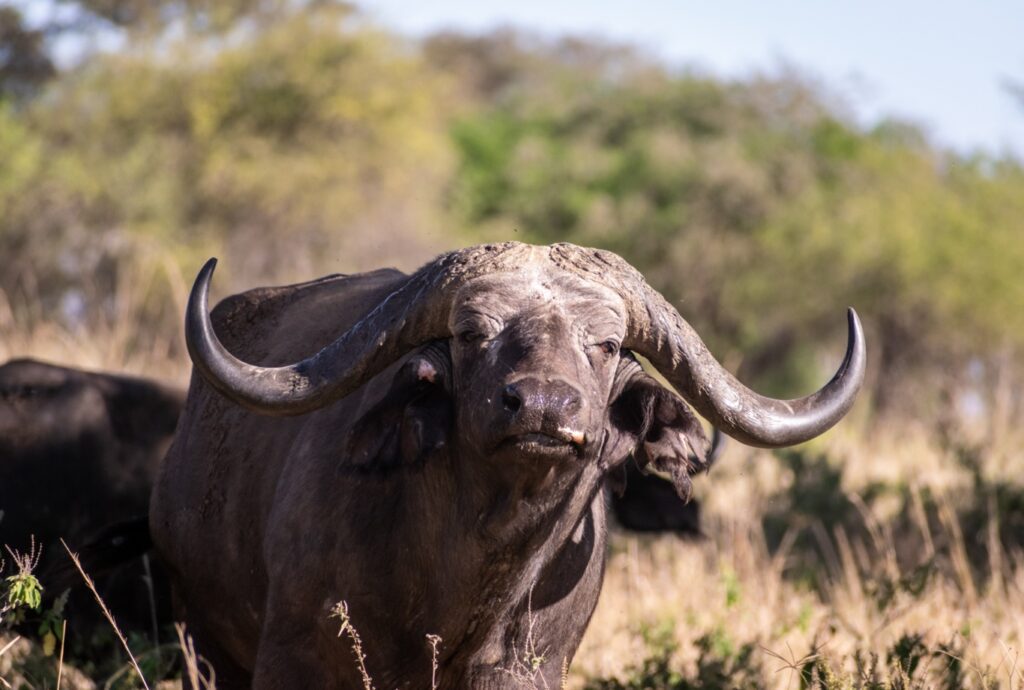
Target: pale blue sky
x=941, y=64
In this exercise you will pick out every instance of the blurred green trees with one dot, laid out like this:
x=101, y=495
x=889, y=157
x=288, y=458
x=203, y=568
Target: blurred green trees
x=24, y=64
x=312, y=142
x=296, y=139
x=758, y=209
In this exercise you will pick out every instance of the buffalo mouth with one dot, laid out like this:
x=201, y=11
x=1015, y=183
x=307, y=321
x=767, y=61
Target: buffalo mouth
x=541, y=443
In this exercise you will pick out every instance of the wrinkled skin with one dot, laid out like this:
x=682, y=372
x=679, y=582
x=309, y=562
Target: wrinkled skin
x=534, y=365
x=79, y=452
x=455, y=493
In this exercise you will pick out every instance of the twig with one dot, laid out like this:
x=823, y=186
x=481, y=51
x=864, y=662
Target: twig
x=60, y=661
x=188, y=651
x=4, y=651
x=977, y=669
x=1013, y=668
x=433, y=641
x=793, y=664
x=150, y=591
x=106, y=612
x=9, y=645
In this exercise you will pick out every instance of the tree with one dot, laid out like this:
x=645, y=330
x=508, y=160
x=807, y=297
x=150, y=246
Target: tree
x=24, y=62
x=759, y=209
x=292, y=162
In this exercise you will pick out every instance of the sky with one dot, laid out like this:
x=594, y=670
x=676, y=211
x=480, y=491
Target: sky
x=943, y=65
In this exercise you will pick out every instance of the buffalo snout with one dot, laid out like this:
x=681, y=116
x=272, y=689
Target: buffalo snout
x=547, y=406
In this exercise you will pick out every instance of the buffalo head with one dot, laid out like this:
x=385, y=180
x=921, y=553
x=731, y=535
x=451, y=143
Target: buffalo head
x=539, y=365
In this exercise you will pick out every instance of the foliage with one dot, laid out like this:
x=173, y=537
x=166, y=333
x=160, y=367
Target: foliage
x=720, y=665
x=144, y=160
x=759, y=209
x=909, y=664
x=152, y=15
x=20, y=591
x=24, y=63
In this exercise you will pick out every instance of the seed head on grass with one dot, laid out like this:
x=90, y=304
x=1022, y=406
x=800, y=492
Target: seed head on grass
x=106, y=613
x=340, y=611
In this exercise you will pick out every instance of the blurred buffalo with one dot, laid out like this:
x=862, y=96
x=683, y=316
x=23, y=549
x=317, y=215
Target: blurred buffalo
x=78, y=454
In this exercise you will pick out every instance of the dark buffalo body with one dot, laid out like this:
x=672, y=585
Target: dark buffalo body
x=431, y=450
x=78, y=454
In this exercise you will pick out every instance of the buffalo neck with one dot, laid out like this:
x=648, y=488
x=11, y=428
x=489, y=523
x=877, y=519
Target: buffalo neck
x=509, y=528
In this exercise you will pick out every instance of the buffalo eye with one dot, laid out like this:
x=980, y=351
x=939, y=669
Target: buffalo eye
x=469, y=337
x=609, y=347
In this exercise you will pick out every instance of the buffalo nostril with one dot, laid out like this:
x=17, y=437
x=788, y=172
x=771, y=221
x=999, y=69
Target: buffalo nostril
x=573, y=403
x=511, y=399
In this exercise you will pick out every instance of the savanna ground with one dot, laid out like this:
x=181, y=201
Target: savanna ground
x=294, y=139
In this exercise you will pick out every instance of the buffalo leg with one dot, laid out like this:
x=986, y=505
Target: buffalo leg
x=289, y=656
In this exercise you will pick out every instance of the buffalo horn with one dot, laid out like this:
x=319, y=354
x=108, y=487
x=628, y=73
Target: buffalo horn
x=413, y=314
x=657, y=331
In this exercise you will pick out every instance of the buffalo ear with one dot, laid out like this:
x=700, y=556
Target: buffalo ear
x=667, y=435
x=413, y=419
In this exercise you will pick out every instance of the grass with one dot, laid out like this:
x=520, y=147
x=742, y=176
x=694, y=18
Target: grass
x=106, y=614
x=110, y=339
x=878, y=557
x=874, y=583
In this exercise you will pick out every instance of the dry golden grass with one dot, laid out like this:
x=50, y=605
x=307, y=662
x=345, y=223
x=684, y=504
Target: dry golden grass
x=735, y=588
x=110, y=340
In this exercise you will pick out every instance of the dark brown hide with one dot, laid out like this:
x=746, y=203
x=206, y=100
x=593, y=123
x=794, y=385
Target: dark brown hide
x=448, y=483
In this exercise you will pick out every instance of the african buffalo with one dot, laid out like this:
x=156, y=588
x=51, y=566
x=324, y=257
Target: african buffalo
x=78, y=454
x=431, y=450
